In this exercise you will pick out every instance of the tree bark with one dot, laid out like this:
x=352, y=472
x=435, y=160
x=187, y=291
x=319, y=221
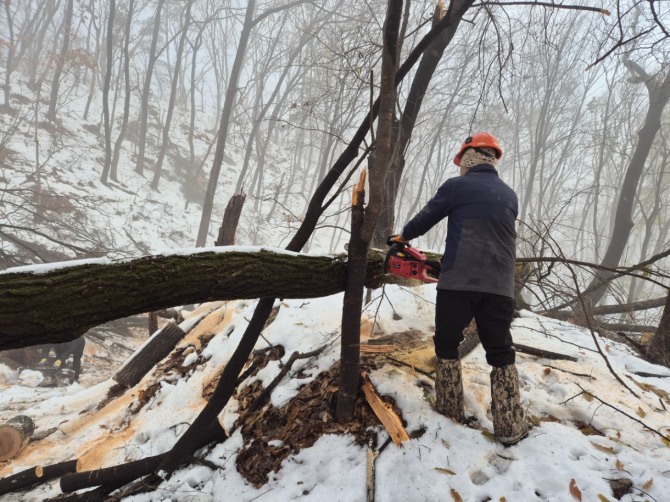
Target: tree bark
x=231, y=217
x=62, y=304
x=153, y=351
x=124, y=473
x=173, y=96
x=659, y=95
x=144, y=108
x=403, y=128
x=364, y=220
x=105, y=93
x=226, y=115
x=14, y=436
x=55, y=84
x=37, y=475
x=659, y=345
x=126, y=101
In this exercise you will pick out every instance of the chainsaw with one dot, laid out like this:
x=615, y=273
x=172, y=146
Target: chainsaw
x=405, y=261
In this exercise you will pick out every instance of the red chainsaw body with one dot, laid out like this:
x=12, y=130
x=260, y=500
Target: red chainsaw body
x=405, y=261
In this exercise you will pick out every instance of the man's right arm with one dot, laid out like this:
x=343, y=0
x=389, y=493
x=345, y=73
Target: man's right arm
x=435, y=210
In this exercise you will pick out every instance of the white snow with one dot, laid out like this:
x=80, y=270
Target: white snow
x=443, y=456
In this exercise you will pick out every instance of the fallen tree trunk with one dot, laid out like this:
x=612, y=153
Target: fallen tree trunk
x=153, y=351
x=61, y=304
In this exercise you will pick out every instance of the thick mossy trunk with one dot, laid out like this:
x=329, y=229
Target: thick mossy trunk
x=62, y=304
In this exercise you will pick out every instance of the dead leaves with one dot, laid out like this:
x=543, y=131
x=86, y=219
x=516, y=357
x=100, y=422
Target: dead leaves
x=456, y=496
x=272, y=434
x=574, y=490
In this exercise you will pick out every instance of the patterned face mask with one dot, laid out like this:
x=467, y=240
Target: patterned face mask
x=475, y=156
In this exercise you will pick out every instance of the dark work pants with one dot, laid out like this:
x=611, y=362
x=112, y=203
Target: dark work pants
x=493, y=313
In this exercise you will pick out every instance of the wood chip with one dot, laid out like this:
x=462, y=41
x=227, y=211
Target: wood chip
x=384, y=412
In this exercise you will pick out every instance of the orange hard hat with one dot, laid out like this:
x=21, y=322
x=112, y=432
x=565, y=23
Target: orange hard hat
x=479, y=140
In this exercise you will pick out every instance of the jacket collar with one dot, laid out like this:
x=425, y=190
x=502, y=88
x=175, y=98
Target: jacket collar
x=482, y=168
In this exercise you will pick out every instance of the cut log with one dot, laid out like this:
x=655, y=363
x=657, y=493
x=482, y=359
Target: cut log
x=389, y=419
x=153, y=351
x=21, y=480
x=38, y=307
x=37, y=475
x=15, y=435
x=119, y=475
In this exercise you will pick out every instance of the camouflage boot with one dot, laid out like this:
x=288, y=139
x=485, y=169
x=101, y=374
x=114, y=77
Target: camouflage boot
x=449, y=389
x=509, y=424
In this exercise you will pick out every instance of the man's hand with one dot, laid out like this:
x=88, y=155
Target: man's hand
x=396, y=239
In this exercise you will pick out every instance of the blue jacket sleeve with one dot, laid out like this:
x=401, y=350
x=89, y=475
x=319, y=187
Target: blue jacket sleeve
x=435, y=210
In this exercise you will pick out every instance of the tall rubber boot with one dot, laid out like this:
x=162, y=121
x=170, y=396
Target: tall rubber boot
x=509, y=424
x=449, y=389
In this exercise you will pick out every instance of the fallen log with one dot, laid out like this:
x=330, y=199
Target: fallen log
x=120, y=475
x=37, y=475
x=545, y=354
x=153, y=351
x=15, y=435
x=68, y=299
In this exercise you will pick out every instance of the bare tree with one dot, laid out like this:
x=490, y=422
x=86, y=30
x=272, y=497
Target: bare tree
x=173, y=96
x=658, y=88
x=60, y=60
x=144, y=108
x=107, y=119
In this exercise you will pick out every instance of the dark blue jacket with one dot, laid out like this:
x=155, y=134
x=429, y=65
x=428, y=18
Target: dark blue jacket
x=480, y=250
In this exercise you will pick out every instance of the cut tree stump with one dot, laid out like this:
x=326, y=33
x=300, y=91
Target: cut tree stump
x=15, y=435
x=389, y=419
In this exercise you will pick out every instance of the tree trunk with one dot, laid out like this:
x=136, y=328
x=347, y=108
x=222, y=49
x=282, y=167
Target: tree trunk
x=14, y=436
x=173, y=96
x=60, y=62
x=10, y=52
x=659, y=94
x=404, y=128
x=126, y=101
x=105, y=93
x=226, y=115
x=364, y=220
x=144, y=109
x=351, y=311
x=658, y=350
x=231, y=218
x=153, y=351
x=62, y=304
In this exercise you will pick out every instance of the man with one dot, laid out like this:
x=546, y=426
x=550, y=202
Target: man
x=476, y=280
x=62, y=351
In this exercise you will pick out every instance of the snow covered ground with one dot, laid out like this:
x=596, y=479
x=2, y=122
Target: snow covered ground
x=588, y=430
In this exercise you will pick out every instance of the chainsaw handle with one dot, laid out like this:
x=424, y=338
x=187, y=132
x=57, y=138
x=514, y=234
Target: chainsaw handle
x=396, y=239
